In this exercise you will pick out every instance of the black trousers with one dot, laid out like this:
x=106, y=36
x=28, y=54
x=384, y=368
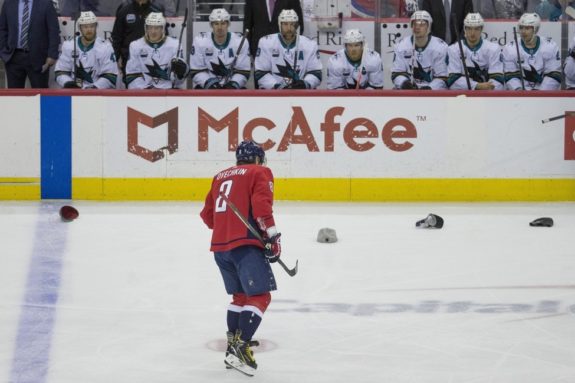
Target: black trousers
x=19, y=68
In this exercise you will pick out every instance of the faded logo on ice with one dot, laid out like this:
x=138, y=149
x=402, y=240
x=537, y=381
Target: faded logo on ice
x=543, y=307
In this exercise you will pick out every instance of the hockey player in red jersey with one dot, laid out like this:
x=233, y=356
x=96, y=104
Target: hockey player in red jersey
x=243, y=260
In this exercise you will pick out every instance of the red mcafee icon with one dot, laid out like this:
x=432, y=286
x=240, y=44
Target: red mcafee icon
x=135, y=117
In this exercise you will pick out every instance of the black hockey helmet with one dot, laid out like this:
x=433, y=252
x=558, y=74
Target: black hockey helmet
x=247, y=152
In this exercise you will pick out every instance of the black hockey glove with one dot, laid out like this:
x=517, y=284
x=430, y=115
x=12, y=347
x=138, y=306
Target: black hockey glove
x=273, y=248
x=231, y=85
x=179, y=67
x=71, y=85
x=297, y=84
x=408, y=85
x=213, y=83
x=425, y=87
x=572, y=53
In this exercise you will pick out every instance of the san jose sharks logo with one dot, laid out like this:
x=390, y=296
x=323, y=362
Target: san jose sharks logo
x=421, y=74
x=220, y=69
x=84, y=74
x=531, y=75
x=157, y=73
x=478, y=74
x=286, y=71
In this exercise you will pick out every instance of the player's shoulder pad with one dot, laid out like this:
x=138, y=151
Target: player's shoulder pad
x=439, y=41
x=549, y=42
x=68, y=45
x=404, y=42
x=371, y=52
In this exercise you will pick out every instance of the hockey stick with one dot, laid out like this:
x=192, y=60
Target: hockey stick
x=291, y=272
x=461, y=54
x=75, y=53
x=295, y=56
x=361, y=66
x=519, y=61
x=184, y=24
x=413, y=60
x=230, y=72
x=179, y=51
x=553, y=119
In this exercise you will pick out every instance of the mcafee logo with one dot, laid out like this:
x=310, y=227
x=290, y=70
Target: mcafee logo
x=170, y=117
x=570, y=135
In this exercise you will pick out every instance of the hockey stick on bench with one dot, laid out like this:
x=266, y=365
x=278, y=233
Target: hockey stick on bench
x=291, y=272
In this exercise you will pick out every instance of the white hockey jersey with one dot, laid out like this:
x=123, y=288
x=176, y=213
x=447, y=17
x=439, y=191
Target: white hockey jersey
x=483, y=63
x=541, y=65
x=429, y=65
x=342, y=73
x=149, y=65
x=569, y=68
x=274, y=63
x=211, y=62
x=95, y=64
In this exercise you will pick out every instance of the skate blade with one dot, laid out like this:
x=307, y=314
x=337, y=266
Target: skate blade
x=233, y=362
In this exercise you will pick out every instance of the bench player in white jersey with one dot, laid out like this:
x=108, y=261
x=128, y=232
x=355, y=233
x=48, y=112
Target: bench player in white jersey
x=89, y=63
x=541, y=62
x=216, y=60
x=482, y=59
x=154, y=61
x=286, y=60
x=420, y=60
x=569, y=69
x=355, y=66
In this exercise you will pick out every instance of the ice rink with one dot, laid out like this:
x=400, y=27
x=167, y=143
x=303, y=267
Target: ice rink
x=129, y=293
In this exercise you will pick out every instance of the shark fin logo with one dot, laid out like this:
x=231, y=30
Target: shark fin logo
x=135, y=117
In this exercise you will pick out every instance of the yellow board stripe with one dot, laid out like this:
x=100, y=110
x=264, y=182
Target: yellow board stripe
x=16, y=188
x=337, y=189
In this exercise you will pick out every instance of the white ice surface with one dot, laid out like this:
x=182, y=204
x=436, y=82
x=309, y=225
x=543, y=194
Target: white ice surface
x=486, y=299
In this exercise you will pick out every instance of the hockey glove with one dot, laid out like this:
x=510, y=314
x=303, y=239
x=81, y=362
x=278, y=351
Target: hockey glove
x=179, y=67
x=231, y=85
x=572, y=53
x=408, y=85
x=297, y=84
x=425, y=87
x=71, y=85
x=213, y=83
x=273, y=248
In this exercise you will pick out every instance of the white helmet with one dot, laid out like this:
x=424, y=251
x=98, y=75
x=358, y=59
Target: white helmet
x=473, y=20
x=156, y=19
x=287, y=16
x=422, y=16
x=219, y=14
x=353, y=36
x=87, y=18
x=530, y=20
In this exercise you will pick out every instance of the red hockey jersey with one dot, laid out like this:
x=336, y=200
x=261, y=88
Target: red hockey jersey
x=250, y=188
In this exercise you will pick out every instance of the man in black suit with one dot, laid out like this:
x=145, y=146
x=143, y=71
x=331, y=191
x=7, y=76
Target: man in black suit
x=29, y=39
x=259, y=23
x=441, y=21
